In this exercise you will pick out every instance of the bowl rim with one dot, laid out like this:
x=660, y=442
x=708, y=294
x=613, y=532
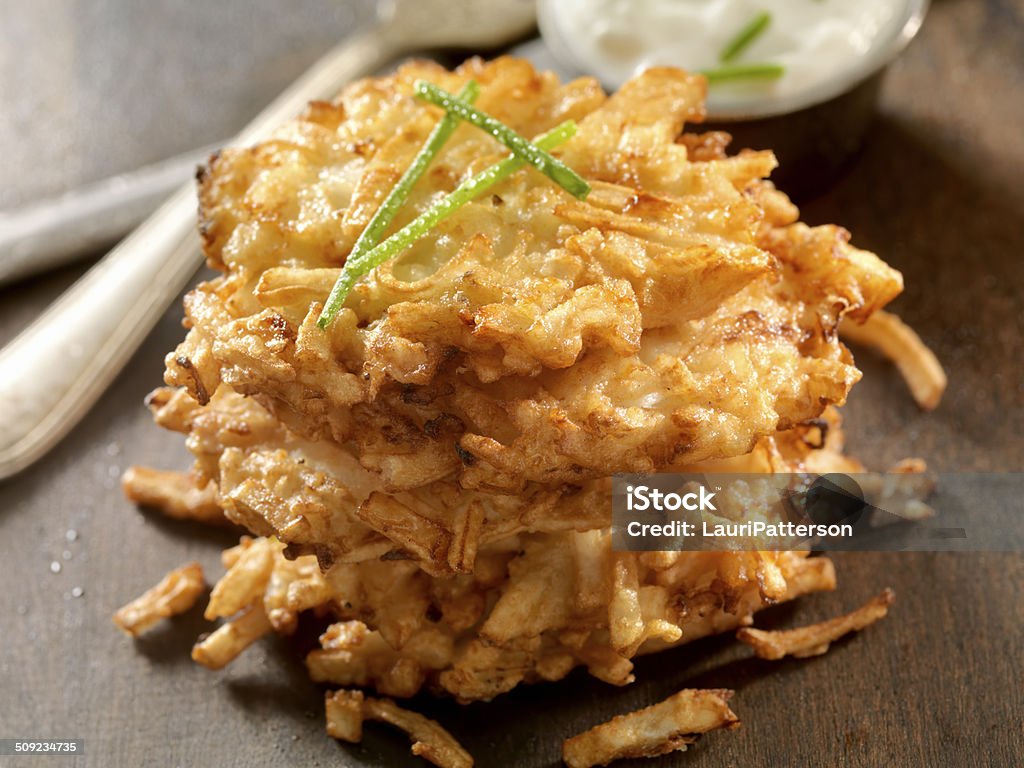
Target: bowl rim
x=914, y=12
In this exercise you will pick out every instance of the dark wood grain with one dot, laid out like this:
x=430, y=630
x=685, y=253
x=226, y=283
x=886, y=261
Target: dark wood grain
x=937, y=192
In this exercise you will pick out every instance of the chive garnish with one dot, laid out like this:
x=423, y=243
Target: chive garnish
x=418, y=227
x=744, y=72
x=754, y=29
x=389, y=208
x=554, y=169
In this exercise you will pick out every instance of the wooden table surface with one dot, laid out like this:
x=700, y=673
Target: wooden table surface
x=937, y=192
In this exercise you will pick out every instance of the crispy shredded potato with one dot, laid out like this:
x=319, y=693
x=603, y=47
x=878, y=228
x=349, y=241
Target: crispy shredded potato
x=815, y=639
x=527, y=614
x=221, y=647
x=176, y=593
x=677, y=315
x=535, y=606
x=483, y=384
x=176, y=494
x=899, y=494
x=665, y=727
x=276, y=482
x=898, y=342
x=430, y=476
x=244, y=583
x=346, y=711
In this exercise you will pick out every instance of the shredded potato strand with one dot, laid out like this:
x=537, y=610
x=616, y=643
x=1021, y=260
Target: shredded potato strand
x=815, y=639
x=898, y=342
x=176, y=593
x=346, y=711
x=668, y=726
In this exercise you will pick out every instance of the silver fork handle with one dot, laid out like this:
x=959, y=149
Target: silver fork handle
x=48, y=233
x=54, y=371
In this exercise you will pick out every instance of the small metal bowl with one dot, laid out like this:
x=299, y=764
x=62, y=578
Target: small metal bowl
x=815, y=133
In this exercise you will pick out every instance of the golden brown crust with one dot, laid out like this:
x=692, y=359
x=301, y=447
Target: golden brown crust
x=675, y=316
x=316, y=497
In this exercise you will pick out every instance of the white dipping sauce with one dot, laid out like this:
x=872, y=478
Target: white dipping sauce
x=814, y=40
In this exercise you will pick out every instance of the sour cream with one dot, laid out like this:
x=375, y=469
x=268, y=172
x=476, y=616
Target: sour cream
x=824, y=46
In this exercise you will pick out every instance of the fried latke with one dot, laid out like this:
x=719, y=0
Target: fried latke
x=315, y=497
x=429, y=477
x=677, y=315
x=534, y=609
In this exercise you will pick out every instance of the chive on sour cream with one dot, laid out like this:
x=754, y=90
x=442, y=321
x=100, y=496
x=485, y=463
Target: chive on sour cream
x=822, y=47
